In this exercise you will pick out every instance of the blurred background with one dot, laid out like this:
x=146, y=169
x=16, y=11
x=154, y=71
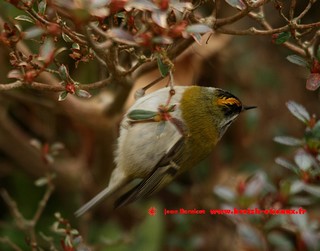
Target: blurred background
x=34, y=126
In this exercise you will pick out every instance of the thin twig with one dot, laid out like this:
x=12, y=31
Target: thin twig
x=293, y=5
x=96, y=85
x=136, y=66
x=43, y=202
x=239, y=15
x=7, y=241
x=97, y=29
x=282, y=14
x=28, y=226
x=307, y=26
x=305, y=11
x=65, y=29
x=12, y=205
x=153, y=83
x=260, y=18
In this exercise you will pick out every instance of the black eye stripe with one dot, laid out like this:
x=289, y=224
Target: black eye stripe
x=230, y=110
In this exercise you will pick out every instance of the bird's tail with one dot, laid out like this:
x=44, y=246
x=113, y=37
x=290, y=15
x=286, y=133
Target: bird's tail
x=108, y=191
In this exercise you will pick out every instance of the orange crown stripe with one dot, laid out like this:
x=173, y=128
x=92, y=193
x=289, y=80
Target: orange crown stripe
x=228, y=101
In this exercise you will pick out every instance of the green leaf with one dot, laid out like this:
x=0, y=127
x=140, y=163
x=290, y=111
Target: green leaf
x=24, y=18
x=41, y=182
x=198, y=28
x=282, y=37
x=74, y=232
x=141, y=5
x=300, y=220
x=63, y=72
x=121, y=14
x=303, y=161
x=236, y=4
x=122, y=36
x=66, y=38
x=163, y=68
x=59, y=50
x=56, y=147
x=57, y=215
x=312, y=189
x=36, y=144
x=47, y=50
x=196, y=37
x=280, y=241
x=298, y=60
x=162, y=40
x=256, y=184
x=311, y=238
x=32, y=32
x=301, y=201
x=76, y=46
x=276, y=221
x=42, y=7
x=63, y=95
x=249, y=235
x=298, y=111
x=296, y=187
x=224, y=193
x=289, y=141
x=16, y=74
x=83, y=94
x=160, y=18
x=141, y=114
x=316, y=130
x=49, y=158
x=287, y=164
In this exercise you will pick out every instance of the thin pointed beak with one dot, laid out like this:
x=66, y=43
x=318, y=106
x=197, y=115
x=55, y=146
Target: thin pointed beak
x=245, y=108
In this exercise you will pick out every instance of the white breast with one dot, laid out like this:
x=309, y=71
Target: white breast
x=142, y=145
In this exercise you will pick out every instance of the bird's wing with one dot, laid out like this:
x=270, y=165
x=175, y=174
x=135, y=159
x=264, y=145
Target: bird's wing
x=162, y=174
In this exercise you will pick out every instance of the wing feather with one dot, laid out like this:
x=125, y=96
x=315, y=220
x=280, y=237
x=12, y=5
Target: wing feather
x=162, y=174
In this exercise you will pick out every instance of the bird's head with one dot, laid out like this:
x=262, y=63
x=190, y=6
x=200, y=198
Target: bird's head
x=227, y=107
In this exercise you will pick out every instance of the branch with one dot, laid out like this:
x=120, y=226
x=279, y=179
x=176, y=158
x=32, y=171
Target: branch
x=99, y=53
x=269, y=31
x=121, y=95
x=96, y=85
x=293, y=5
x=239, y=15
x=54, y=87
x=305, y=11
x=252, y=31
x=65, y=29
x=307, y=26
x=59, y=88
x=28, y=226
x=14, y=85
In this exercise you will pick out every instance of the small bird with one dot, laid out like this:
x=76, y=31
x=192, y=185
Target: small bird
x=165, y=133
